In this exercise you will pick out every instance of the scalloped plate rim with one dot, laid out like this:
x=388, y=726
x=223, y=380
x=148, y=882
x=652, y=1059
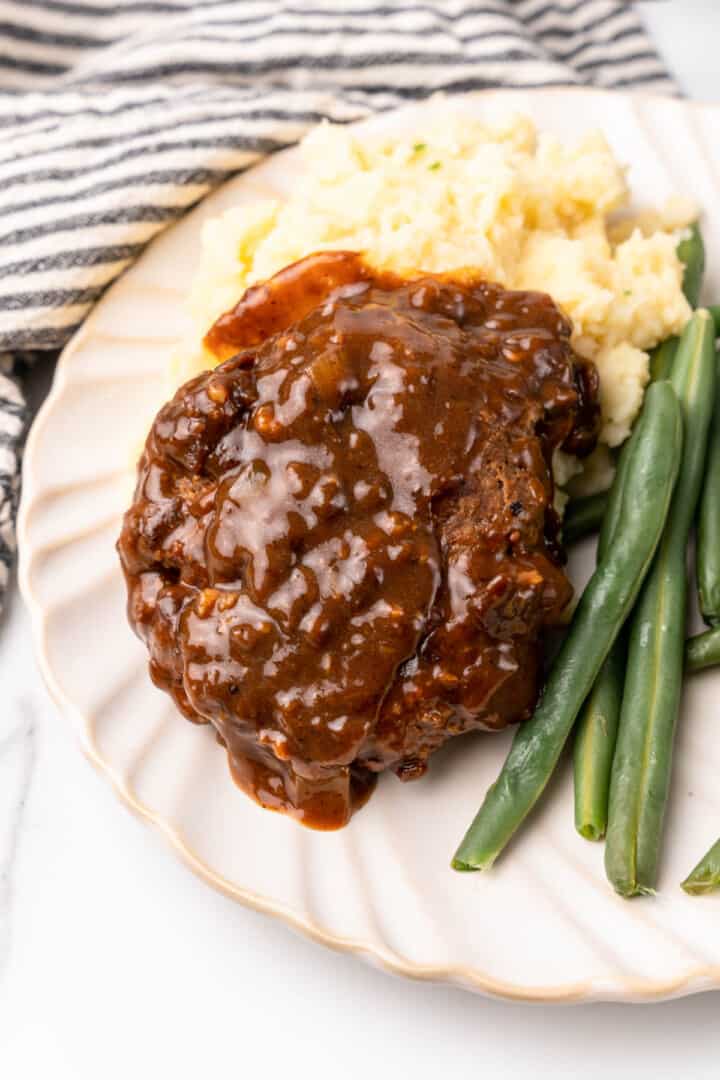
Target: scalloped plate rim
x=618, y=987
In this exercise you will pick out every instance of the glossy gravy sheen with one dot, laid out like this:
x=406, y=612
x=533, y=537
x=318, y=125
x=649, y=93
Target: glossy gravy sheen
x=342, y=548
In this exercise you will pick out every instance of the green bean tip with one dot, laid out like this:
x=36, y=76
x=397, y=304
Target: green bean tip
x=589, y=832
x=698, y=887
x=467, y=864
x=630, y=889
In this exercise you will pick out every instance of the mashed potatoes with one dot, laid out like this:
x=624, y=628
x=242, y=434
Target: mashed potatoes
x=519, y=206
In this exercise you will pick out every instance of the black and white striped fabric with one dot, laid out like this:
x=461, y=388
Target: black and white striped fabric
x=117, y=115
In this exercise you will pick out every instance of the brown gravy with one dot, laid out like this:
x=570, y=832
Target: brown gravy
x=342, y=548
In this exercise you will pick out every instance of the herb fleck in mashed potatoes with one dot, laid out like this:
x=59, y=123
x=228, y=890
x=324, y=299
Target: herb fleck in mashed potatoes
x=523, y=208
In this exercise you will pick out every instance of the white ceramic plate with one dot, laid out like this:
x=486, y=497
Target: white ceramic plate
x=544, y=925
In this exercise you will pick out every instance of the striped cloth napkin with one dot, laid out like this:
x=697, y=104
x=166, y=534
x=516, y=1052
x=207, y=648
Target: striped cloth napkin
x=118, y=115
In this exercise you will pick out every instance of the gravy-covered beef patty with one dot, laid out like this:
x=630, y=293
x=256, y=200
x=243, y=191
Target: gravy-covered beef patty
x=342, y=548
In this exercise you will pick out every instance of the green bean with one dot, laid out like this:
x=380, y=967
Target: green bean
x=703, y=650
x=662, y=358
x=707, y=563
x=706, y=875
x=597, y=725
x=691, y=252
x=595, y=745
x=583, y=517
x=604, y=606
x=598, y=720
x=651, y=696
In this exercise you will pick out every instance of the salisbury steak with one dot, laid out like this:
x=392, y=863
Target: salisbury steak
x=342, y=548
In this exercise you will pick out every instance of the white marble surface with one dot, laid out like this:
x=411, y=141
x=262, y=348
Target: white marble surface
x=116, y=962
